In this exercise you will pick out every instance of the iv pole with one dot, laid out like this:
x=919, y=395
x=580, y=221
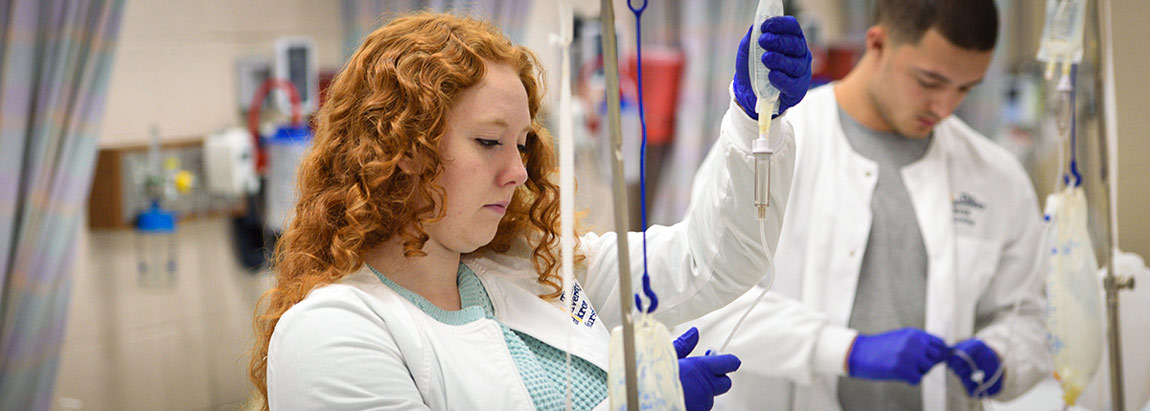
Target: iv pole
x=1112, y=283
x=619, y=195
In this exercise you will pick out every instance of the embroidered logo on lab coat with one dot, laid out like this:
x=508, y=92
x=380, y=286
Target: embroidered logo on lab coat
x=580, y=309
x=967, y=209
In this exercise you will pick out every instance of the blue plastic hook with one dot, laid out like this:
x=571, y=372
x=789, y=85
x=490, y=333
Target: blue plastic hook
x=650, y=296
x=638, y=10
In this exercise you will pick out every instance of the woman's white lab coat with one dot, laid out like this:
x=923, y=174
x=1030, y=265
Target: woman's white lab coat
x=360, y=345
x=980, y=224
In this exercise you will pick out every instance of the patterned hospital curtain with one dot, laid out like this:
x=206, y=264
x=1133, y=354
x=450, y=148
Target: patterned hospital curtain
x=708, y=34
x=56, y=57
x=361, y=17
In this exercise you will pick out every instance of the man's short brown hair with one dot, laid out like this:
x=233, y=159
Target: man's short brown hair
x=969, y=24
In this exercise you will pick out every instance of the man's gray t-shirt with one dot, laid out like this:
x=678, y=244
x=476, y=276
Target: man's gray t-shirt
x=892, y=280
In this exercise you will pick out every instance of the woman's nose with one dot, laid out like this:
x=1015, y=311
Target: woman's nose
x=514, y=170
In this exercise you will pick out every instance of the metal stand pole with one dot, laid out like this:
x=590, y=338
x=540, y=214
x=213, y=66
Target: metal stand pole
x=1113, y=283
x=619, y=190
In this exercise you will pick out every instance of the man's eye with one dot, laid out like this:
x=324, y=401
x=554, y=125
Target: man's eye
x=487, y=142
x=928, y=84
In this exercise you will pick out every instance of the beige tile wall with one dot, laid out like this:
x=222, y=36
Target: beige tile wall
x=1131, y=58
x=175, y=63
x=178, y=348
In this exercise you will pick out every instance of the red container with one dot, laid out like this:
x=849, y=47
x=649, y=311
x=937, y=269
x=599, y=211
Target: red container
x=662, y=70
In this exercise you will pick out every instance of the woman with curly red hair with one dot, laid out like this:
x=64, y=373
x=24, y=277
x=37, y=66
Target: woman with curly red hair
x=419, y=270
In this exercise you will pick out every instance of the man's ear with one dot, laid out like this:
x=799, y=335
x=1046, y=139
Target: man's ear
x=877, y=40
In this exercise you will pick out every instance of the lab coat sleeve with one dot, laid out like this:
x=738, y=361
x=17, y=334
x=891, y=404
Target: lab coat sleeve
x=1018, y=338
x=715, y=254
x=335, y=354
x=781, y=338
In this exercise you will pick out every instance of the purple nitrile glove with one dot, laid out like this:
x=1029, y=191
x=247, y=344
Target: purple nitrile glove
x=703, y=378
x=786, y=55
x=985, y=359
x=904, y=355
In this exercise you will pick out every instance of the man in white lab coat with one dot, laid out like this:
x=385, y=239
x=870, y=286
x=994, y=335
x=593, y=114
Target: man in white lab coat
x=908, y=240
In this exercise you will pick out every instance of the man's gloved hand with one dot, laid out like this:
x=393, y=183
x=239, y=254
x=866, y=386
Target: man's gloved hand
x=904, y=355
x=984, y=358
x=786, y=55
x=703, y=378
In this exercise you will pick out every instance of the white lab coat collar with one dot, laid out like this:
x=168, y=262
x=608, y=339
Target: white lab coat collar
x=518, y=306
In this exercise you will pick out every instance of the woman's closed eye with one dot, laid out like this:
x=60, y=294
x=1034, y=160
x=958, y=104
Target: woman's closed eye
x=486, y=142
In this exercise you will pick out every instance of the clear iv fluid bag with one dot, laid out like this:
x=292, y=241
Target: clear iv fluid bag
x=766, y=94
x=1062, y=34
x=656, y=368
x=1073, y=293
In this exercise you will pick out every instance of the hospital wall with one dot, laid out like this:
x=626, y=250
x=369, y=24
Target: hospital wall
x=1131, y=59
x=184, y=348
x=175, y=61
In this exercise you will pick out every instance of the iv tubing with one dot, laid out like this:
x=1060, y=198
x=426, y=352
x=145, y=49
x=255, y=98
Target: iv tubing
x=770, y=282
x=566, y=176
x=761, y=150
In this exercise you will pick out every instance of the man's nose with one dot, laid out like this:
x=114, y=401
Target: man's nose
x=944, y=103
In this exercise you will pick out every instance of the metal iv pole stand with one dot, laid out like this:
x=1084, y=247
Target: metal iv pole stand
x=619, y=194
x=1112, y=283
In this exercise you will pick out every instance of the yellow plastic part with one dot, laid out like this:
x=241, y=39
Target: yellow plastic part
x=184, y=181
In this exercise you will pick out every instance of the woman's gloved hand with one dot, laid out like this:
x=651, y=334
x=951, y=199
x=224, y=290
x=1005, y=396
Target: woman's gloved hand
x=786, y=55
x=905, y=355
x=984, y=358
x=703, y=378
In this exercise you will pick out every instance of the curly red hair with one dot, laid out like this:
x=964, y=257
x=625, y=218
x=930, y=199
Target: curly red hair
x=390, y=104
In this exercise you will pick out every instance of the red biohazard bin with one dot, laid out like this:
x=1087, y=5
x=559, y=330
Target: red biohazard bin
x=662, y=70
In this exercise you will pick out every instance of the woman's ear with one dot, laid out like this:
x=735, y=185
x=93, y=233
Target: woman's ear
x=406, y=165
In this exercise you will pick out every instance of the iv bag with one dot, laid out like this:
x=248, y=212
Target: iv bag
x=1062, y=34
x=656, y=368
x=1073, y=302
x=766, y=93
